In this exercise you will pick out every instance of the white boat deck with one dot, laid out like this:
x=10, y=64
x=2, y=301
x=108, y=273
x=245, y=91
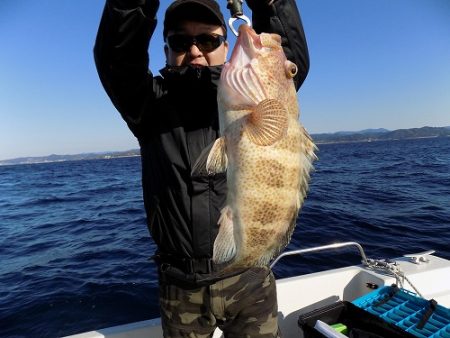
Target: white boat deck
x=298, y=295
x=301, y=294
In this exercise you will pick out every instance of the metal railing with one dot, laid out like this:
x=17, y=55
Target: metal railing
x=323, y=248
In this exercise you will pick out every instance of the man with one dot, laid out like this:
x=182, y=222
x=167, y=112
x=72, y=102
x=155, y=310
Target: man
x=174, y=117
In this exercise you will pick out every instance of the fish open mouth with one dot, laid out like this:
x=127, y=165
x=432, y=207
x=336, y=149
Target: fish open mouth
x=248, y=45
x=242, y=78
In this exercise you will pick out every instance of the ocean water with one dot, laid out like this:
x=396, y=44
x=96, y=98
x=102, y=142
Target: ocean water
x=75, y=249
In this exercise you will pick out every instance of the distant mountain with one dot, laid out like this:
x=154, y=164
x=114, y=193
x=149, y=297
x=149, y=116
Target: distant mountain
x=77, y=157
x=366, y=135
x=381, y=134
x=365, y=131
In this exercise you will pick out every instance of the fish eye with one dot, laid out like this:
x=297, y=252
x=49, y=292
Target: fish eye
x=291, y=69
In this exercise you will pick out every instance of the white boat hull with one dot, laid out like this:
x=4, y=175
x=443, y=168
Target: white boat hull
x=301, y=294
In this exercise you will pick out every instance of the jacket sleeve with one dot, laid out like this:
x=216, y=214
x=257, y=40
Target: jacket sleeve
x=121, y=55
x=282, y=17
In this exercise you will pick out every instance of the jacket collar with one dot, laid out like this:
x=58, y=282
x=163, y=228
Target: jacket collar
x=194, y=92
x=210, y=74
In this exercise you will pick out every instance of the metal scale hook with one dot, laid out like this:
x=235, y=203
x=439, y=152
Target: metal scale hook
x=235, y=7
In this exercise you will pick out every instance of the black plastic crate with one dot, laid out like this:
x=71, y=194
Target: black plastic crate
x=360, y=323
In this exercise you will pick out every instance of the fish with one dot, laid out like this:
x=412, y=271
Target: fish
x=265, y=151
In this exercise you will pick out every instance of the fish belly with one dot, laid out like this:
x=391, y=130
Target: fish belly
x=266, y=194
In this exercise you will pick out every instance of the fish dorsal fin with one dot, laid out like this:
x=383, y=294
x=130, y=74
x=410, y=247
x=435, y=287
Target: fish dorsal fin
x=267, y=122
x=307, y=156
x=212, y=160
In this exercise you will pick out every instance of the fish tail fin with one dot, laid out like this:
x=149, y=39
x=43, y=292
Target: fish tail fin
x=267, y=123
x=224, y=245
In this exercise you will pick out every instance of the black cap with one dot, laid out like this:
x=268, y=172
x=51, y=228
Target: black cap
x=206, y=11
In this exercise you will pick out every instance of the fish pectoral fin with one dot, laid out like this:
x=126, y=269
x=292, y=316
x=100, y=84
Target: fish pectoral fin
x=224, y=245
x=267, y=123
x=217, y=161
x=212, y=160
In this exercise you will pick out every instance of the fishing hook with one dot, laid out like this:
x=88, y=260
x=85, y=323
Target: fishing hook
x=235, y=7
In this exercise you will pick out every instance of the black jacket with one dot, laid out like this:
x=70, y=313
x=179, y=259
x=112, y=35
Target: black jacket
x=174, y=117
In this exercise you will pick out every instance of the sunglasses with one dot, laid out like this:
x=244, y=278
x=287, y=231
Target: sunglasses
x=205, y=42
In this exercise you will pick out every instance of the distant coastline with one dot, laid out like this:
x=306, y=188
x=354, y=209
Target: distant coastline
x=381, y=134
x=368, y=135
x=65, y=158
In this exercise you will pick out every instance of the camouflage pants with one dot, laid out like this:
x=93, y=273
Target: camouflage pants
x=241, y=306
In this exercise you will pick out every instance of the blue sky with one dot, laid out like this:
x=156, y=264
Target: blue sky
x=374, y=64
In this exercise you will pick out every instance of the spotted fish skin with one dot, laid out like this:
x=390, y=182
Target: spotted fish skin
x=267, y=153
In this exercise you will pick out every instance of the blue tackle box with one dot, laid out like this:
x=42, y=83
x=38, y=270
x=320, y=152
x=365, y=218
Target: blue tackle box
x=415, y=315
x=350, y=320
